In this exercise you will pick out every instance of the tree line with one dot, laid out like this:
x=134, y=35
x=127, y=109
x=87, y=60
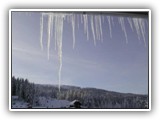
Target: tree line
x=23, y=89
x=89, y=97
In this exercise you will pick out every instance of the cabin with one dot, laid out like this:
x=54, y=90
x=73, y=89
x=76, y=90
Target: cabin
x=75, y=104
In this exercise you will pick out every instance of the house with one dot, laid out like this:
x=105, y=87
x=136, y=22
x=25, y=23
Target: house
x=75, y=104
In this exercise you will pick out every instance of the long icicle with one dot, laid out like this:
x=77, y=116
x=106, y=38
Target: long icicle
x=142, y=27
x=93, y=32
x=49, y=34
x=41, y=32
x=110, y=27
x=130, y=23
x=73, y=29
x=60, y=21
x=100, y=25
x=121, y=21
x=95, y=26
x=136, y=25
x=59, y=33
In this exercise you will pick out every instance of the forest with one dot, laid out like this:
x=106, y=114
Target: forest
x=89, y=97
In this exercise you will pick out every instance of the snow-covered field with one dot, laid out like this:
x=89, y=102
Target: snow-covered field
x=16, y=103
x=53, y=103
x=43, y=102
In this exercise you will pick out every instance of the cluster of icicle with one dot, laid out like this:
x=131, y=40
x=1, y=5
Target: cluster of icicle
x=93, y=22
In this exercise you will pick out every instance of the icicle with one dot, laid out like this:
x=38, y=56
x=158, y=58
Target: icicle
x=100, y=25
x=136, y=25
x=142, y=26
x=77, y=21
x=49, y=33
x=85, y=23
x=59, y=33
x=55, y=33
x=103, y=18
x=73, y=29
x=81, y=18
x=51, y=25
x=85, y=17
x=87, y=27
x=112, y=20
x=97, y=27
x=59, y=39
x=130, y=23
x=110, y=27
x=93, y=32
x=121, y=21
x=41, y=32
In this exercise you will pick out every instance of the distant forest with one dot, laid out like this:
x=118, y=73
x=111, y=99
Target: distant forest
x=89, y=97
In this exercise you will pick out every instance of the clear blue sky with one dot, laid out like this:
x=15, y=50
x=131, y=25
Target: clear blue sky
x=111, y=65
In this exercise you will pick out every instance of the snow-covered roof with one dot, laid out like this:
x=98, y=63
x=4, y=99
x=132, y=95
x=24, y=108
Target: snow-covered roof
x=74, y=101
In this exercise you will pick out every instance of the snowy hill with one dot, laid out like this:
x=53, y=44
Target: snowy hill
x=48, y=96
x=53, y=103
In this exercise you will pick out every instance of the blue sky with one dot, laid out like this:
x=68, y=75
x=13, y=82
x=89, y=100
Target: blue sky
x=111, y=64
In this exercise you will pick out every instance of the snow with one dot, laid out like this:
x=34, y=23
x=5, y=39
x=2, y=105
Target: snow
x=73, y=102
x=53, y=103
x=43, y=103
x=19, y=104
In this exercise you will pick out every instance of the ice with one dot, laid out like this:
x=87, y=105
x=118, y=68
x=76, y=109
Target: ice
x=100, y=25
x=136, y=25
x=93, y=29
x=110, y=26
x=97, y=27
x=85, y=17
x=57, y=19
x=142, y=27
x=130, y=23
x=49, y=33
x=59, y=23
x=112, y=20
x=78, y=21
x=73, y=29
x=41, y=32
x=122, y=23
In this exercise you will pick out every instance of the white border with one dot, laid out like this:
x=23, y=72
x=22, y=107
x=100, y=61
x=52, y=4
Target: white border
x=74, y=10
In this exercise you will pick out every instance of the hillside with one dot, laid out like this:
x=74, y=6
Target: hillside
x=48, y=96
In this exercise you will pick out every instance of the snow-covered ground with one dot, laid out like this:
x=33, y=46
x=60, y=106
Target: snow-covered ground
x=19, y=104
x=53, y=103
x=43, y=102
x=16, y=103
